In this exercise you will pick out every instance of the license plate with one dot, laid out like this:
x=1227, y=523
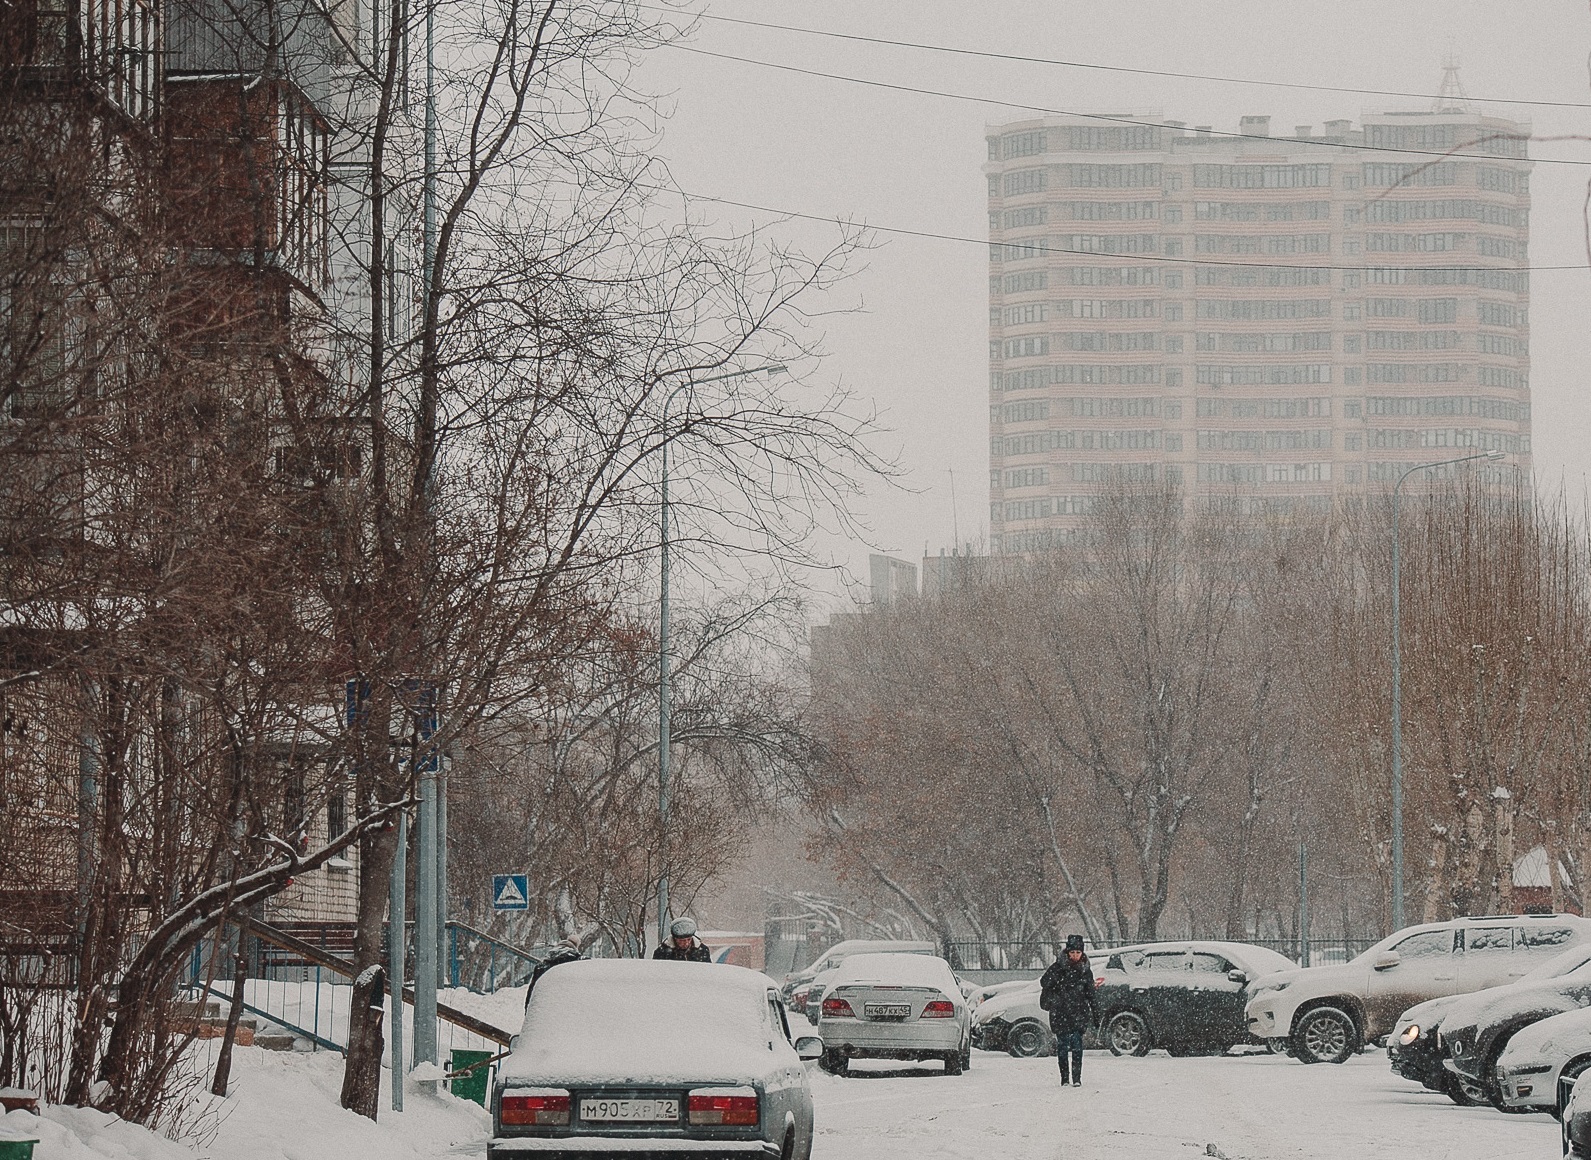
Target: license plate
x=887, y=1010
x=635, y=1111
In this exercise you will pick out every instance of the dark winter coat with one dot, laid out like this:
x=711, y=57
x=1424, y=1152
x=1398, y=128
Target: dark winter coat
x=1067, y=992
x=697, y=952
x=559, y=956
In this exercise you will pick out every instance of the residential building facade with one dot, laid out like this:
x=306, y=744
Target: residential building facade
x=1268, y=319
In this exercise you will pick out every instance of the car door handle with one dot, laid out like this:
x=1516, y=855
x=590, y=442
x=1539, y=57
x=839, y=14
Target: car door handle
x=1140, y=989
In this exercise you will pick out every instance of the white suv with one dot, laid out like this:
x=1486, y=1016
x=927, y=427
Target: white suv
x=1324, y=1014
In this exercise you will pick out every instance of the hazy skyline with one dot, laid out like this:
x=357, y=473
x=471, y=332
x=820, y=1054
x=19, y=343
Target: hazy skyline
x=918, y=346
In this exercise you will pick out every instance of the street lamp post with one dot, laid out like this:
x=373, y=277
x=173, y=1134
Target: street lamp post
x=1397, y=681
x=662, y=652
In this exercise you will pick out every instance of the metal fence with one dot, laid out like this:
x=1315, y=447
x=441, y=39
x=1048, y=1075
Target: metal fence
x=981, y=956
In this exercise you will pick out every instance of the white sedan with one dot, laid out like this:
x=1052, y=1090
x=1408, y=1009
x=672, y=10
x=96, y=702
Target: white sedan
x=893, y=1006
x=1529, y=1067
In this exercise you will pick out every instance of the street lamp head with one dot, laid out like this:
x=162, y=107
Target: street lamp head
x=1494, y=453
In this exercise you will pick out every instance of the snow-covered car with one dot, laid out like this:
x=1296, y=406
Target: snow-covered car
x=1013, y=1021
x=1187, y=997
x=1415, y=1051
x=1530, y=1066
x=837, y=954
x=1477, y=1028
x=633, y=1057
x=1415, y=1048
x=1327, y=1013
x=895, y=1006
x=981, y=995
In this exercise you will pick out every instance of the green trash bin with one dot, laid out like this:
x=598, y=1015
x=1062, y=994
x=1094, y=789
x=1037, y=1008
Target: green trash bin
x=472, y=1086
x=11, y=1149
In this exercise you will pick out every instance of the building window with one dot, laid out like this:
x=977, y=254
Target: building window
x=1352, y=344
x=1353, y=443
x=1174, y=345
x=1173, y=247
x=1173, y=441
x=1351, y=312
x=1174, y=280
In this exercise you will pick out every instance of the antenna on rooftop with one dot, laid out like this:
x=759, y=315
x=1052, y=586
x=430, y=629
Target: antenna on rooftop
x=1452, y=98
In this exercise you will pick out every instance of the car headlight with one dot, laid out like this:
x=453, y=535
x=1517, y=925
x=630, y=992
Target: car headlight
x=1271, y=988
x=1410, y=1034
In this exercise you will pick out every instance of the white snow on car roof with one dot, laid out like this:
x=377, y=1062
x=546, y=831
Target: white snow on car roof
x=643, y=1021
x=904, y=970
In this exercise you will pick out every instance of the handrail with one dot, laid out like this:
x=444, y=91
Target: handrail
x=495, y=941
x=322, y=958
x=301, y=1032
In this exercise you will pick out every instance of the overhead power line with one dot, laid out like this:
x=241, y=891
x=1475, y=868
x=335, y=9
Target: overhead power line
x=1049, y=110
x=1044, y=249
x=1093, y=65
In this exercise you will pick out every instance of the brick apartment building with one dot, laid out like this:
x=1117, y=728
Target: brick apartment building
x=1272, y=318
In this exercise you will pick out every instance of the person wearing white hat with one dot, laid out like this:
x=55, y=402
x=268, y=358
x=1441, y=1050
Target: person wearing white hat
x=683, y=945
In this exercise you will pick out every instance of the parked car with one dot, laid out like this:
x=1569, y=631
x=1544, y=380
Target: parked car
x=980, y=995
x=895, y=1006
x=1415, y=1048
x=1013, y=1021
x=694, y=1058
x=1187, y=997
x=1478, y=1027
x=1327, y=1013
x=837, y=954
x=1415, y=1051
x=1538, y=1056
x=1574, y=1102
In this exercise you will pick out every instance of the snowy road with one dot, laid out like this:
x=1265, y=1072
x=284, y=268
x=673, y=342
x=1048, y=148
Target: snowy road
x=1255, y=1107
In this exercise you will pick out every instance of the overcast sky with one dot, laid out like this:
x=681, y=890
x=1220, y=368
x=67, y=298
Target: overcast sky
x=917, y=345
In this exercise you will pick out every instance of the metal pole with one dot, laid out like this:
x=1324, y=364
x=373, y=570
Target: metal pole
x=663, y=656
x=1398, y=916
x=397, y=911
x=425, y=964
x=441, y=875
x=1303, y=905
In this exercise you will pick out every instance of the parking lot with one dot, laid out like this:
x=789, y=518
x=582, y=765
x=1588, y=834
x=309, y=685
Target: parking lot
x=1255, y=1107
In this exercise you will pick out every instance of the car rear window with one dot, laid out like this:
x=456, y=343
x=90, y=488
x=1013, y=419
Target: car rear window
x=1210, y=964
x=1426, y=944
x=1540, y=938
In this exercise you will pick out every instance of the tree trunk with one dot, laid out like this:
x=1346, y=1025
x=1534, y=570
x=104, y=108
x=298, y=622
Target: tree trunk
x=362, y=1077
x=240, y=976
x=359, y=1092
x=1435, y=893
x=1504, y=805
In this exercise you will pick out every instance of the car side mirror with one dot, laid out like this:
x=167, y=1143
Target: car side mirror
x=1387, y=960
x=513, y=1043
x=809, y=1047
x=1237, y=976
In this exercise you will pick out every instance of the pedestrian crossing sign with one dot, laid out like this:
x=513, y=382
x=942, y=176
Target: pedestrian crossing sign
x=510, y=891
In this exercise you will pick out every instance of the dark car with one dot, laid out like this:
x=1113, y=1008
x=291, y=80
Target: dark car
x=1415, y=1051
x=1187, y=997
x=1576, y=1117
x=1477, y=1027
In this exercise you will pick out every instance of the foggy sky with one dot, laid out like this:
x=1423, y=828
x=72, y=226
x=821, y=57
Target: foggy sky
x=917, y=348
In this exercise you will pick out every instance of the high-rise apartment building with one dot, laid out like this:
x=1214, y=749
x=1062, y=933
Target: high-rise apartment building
x=1270, y=318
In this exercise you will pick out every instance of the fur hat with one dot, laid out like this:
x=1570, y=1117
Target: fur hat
x=1074, y=942
x=683, y=928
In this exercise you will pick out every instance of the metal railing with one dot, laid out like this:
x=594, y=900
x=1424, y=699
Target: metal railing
x=971, y=955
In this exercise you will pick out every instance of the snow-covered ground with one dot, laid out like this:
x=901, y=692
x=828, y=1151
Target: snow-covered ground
x=1257, y=1107
x=1253, y=1107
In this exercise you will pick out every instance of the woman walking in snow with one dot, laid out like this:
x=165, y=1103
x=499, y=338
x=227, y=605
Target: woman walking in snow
x=1067, y=992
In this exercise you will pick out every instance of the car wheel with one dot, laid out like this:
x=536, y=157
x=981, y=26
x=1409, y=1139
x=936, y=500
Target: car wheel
x=1326, y=1035
x=953, y=1064
x=1026, y=1039
x=1571, y=1070
x=1279, y=1045
x=833, y=1062
x=788, y=1151
x=1463, y=1091
x=966, y=1058
x=1128, y=1034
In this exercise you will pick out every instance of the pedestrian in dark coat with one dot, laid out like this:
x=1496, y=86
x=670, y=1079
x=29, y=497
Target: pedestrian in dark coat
x=683, y=945
x=567, y=951
x=1067, y=992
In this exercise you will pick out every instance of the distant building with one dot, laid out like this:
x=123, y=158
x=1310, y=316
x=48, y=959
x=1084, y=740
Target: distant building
x=1275, y=318
x=890, y=579
x=944, y=573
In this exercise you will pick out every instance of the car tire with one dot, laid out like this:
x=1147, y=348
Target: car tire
x=1463, y=1091
x=1026, y=1039
x=1279, y=1045
x=953, y=1064
x=1325, y=1035
x=788, y=1151
x=833, y=1062
x=1128, y=1034
x=966, y=1058
x=1571, y=1070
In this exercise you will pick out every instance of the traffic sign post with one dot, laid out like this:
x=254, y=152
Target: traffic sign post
x=510, y=891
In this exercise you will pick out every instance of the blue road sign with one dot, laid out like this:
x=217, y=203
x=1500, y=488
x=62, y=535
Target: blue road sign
x=510, y=891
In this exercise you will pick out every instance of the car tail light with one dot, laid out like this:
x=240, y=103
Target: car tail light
x=723, y=1106
x=1100, y=981
x=837, y=1009
x=938, y=1009
x=536, y=1106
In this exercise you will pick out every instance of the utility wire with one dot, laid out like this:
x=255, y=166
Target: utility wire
x=1148, y=72
x=1043, y=249
x=918, y=91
